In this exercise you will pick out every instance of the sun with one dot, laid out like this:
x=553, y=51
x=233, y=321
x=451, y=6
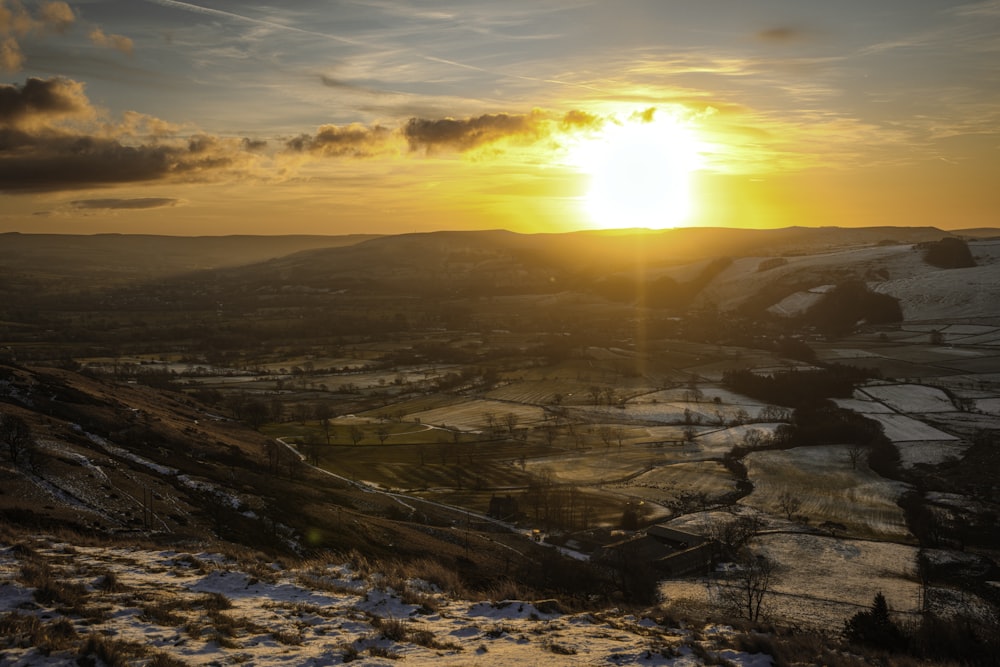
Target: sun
x=640, y=172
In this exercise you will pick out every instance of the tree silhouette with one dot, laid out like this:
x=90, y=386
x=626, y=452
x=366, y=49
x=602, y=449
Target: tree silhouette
x=874, y=627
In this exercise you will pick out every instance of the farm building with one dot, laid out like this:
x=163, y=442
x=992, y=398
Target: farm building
x=670, y=551
x=504, y=508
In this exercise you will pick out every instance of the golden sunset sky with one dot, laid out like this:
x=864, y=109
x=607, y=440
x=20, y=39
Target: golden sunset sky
x=382, y=116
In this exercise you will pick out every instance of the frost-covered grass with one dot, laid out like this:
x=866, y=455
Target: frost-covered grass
x=901, y=428
x=168, y=608
x=910, y=398
x=822, y=581
x=828, y=488
x=473, y=415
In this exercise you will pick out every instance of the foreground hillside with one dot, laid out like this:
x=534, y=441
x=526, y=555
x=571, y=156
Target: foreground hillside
x=62, y=602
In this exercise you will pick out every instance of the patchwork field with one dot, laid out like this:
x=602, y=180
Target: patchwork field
x=827, y=488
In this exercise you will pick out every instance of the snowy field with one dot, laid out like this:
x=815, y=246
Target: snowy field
x=823, y=581
x=900, y=428
x=910, y=398
x=170, y=608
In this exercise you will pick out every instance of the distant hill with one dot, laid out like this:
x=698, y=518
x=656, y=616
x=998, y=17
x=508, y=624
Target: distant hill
x=109, y=259
x=977, y=233
x=722, y=267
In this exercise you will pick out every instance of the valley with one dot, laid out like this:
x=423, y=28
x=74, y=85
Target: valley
x=380, y=395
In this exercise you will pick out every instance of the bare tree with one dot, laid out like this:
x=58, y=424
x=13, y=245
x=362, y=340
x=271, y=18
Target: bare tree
x=311, y=448
x=774, y=413
x=745, y=587
x=595, y=394
x=733, y=535
x=16, y=434
x=256, y=413
x=382, y=432
x=789, y=503
x=753, y=438
x=609, y=395
x=491, y=424
x=323, y=412
x=357, y=435
x=510, y=421
x=856, y=453
x=606, y=435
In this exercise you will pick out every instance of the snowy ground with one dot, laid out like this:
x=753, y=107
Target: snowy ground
x=822, y=581
x=206, y=609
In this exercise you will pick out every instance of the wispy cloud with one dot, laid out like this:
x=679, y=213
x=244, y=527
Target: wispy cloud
x=988, y=8
x=126, y=204
x=265, y=23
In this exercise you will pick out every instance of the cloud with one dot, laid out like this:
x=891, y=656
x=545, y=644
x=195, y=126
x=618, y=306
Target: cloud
x=11, y=58
x=781, y=35
x=355, y=140
x=50, y=18
x=437, y=135
x=331, y=82
x=15, y=19
x=55, y=17
x=988, y=8
x=575, y=119
x=128, y=204
x=51, y=138
x=117, y=42
x=40, y=102
x=468, y=133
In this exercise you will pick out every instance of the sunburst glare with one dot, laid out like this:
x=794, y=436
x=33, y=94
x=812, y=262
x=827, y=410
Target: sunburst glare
x=640, y=171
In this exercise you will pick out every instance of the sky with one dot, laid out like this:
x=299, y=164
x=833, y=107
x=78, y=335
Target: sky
x=220, y=117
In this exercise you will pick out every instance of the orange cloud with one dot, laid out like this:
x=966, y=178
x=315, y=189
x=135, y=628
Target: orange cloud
x=117, y=42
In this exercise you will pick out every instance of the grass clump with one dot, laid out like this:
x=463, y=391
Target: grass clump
x=162, y=612
x=288, y=637
x=110, y=652
x=382, y=652
x=559, y=649
x=26, y=631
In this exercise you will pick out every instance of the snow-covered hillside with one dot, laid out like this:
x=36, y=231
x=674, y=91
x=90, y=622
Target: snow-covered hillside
x=60, y=603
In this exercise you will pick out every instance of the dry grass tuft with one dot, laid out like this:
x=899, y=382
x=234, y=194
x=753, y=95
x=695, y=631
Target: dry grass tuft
x=288, y=637
x=111, y=652
x=162, y=612
x=26, y=631
x=381, y=652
